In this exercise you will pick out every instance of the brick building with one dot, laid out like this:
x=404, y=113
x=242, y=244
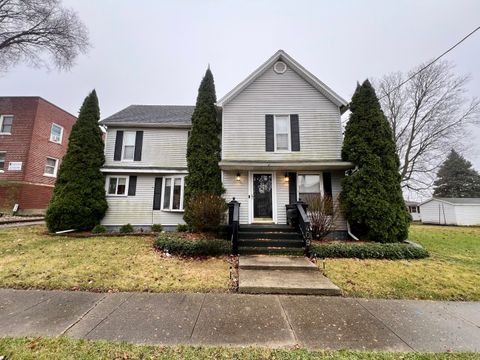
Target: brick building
x=33, y=139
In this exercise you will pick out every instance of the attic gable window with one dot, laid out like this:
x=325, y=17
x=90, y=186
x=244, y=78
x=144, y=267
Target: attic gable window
x=282, y=133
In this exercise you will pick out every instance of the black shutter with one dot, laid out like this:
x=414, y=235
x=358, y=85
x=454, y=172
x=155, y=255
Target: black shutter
x=295, y=132
x=138, y=146
x=157, y=193
x=292, y=187
x=269, y=133
x=327, y=183
x=117, y=156
x=132, y=186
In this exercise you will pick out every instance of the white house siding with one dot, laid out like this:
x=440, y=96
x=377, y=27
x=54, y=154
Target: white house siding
x=244, y=119
x=138, y=210
x=283, y=197
x=162, y=147
x=337, y=176
x=238, y=190
x=467, y=215
x=438, y=212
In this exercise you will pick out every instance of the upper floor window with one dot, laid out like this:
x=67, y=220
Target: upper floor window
x=117, y=185
x=51, y=167
x=128, y=145
x=6, y=122
x=282, y=133
x=2, y=160
x=173, y=188
x=56, y=134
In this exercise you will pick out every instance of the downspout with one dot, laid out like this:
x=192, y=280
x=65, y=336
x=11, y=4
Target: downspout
x=350, y=232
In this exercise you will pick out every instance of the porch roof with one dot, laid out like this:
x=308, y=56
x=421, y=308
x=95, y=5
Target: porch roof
x=298, y=165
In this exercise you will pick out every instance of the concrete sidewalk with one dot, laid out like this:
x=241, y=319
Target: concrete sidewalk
x=241, y=320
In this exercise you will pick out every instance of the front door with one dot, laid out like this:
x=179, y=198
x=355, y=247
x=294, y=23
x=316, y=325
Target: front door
x=262, y=197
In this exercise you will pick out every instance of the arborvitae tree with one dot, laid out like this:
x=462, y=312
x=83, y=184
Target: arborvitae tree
x=78, y=200
x=203, y=149
x=371, y=197
x=457, y=178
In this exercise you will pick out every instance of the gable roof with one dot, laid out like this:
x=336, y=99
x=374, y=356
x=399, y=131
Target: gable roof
x=154, y=115
x=456, y=201
x=294, y=65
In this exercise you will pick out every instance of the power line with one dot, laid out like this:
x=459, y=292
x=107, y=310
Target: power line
x=432, y=62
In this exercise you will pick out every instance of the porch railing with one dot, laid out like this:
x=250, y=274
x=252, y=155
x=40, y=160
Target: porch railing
x=233, y=224
x=297, y=217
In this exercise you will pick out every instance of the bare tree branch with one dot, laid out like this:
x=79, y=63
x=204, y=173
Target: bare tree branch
x=34, y=31
x=429, y=116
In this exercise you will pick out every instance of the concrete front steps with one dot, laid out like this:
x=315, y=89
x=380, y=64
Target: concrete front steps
x=263, y=274
x=269, y=239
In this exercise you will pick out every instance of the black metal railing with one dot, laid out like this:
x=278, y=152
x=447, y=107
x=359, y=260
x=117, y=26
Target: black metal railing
x=297, y=217
x=233, y=224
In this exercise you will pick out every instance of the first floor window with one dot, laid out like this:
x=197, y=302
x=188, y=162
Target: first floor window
x=56, y=134
x=308, y=184
x=173, y=193
x=128, y=145
x=6, y=122
x=51, y=167
x=2, y=160
x=117, y=185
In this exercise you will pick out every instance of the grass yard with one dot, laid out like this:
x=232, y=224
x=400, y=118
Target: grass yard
x=64, y=348
x=452, y=272
x=31, y=259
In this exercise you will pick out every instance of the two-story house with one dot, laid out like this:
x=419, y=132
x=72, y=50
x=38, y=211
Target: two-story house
x=33, y=140
x=281, y=139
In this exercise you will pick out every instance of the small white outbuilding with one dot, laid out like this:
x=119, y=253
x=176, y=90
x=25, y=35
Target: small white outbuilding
x=451, y=211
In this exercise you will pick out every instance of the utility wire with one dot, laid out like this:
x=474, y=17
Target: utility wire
x=431, y=62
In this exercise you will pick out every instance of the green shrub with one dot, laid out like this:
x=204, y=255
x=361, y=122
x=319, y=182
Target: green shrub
x=99, y=229
x=127, y=228
x=206, y=212
x=182, y=227
x=157, y=228
x=392, y=251
x=183, y=247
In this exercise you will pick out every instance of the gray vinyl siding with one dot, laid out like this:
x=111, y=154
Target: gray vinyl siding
x=162, y=147
x=138, y=209
x=337, y=176
x=244, y=119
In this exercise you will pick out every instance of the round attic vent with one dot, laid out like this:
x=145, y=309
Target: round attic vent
x=280, y=67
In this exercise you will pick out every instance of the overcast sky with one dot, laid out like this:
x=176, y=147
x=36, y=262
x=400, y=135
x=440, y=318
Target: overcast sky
x=156, y=52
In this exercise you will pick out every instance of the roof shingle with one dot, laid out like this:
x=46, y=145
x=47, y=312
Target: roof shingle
x=152, y=114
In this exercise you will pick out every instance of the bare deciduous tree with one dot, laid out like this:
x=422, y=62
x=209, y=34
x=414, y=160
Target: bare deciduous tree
x=323, y=213
x=31, y=30
x=429, y=116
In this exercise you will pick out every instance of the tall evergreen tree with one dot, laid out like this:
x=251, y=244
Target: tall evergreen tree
x=78, y=200
x=457, y=178
x=203, y=149
x=371, y=197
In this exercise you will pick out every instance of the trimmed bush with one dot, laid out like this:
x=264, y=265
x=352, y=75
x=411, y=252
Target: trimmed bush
x=182, y=227
x=191, y=248
x=392, y=251
x=126, y=229
x=157, y=228
x=207, y=212
x=99, y=229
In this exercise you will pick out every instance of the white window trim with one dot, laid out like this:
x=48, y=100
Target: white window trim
x=123, y=146
x=182, y=192
x=61, y=134
x=4, y=161
x=275, y=134
x=54, y=175
x=320, y=174
x=1, y=124
x=251, y=218
x=116, y=189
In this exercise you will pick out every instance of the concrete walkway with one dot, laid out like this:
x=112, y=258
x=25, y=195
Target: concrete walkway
x=234, y=319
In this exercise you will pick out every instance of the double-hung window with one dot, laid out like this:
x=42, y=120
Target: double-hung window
x=117, y=185
x=56, y=134
x=128, y=145
x=51, y=167
x=308, y=184
x=282, y=133
x=2, y=160
x=6, y=122
x=173, y=193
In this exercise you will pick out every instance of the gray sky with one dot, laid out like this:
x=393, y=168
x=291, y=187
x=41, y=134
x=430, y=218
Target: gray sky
x=156, y=52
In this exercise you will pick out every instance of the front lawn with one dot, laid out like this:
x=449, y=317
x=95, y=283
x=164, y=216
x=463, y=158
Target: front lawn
x=452, y=272
x=31, y=259
x=64, y=348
